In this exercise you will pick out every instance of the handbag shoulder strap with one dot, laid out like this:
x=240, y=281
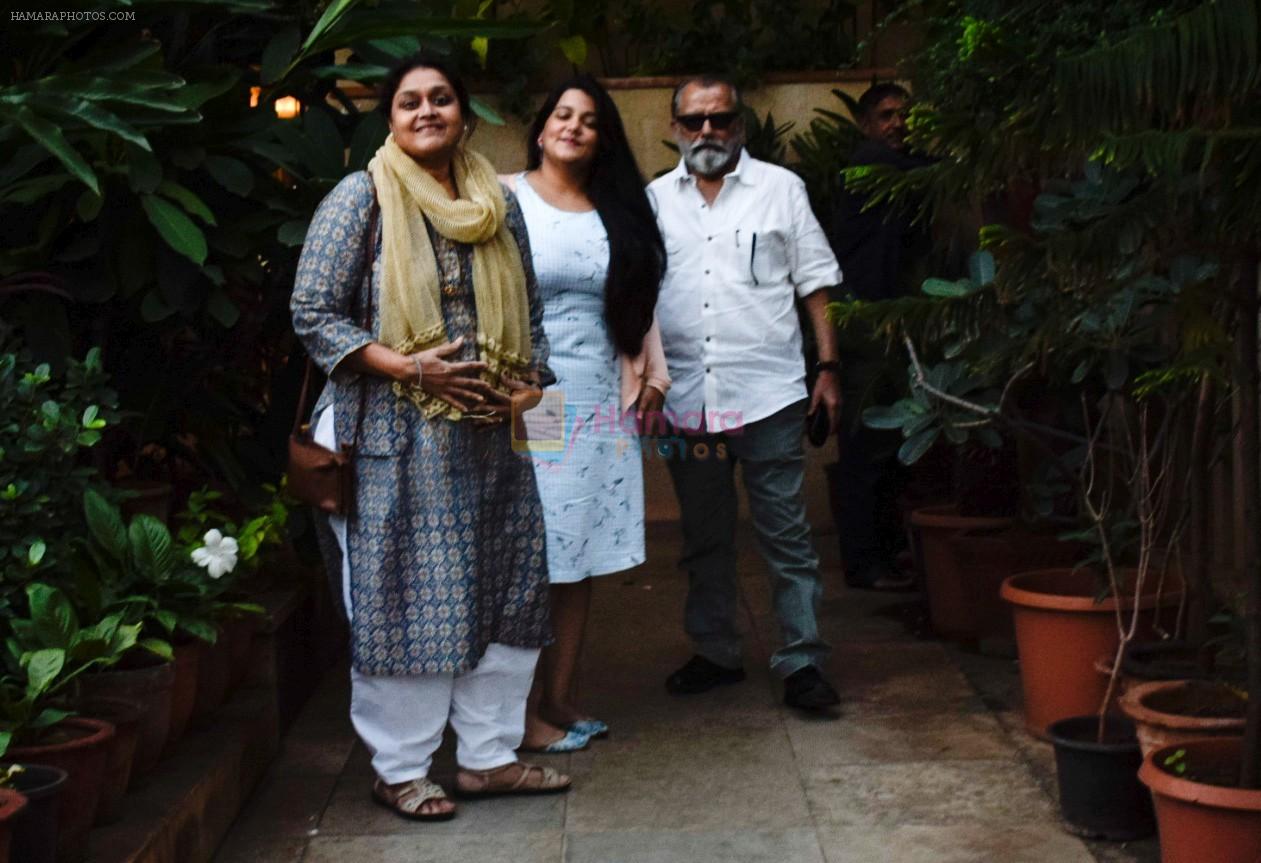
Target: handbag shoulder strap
x=367, y=325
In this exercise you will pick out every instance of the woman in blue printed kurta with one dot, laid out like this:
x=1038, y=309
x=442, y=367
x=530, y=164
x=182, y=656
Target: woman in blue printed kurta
x=444, y=559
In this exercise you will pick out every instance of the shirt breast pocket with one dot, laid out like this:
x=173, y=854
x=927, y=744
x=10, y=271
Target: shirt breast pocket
x=769, y=261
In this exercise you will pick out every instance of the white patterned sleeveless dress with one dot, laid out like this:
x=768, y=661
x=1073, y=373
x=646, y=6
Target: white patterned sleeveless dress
x=592, y=488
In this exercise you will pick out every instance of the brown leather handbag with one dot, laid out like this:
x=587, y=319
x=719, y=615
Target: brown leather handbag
x=319, y=476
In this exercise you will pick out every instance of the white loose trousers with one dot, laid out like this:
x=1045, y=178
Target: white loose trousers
x=401, y=719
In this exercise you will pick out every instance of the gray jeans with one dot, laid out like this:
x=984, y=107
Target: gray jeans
x=770, y=451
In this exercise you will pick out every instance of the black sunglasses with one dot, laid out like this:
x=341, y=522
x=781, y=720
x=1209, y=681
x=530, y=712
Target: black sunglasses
x=696, y=122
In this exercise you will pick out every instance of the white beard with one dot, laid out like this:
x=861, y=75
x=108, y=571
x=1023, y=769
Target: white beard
x=708, y=162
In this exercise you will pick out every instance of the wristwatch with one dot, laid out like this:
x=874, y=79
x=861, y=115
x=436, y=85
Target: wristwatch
x=833, y=366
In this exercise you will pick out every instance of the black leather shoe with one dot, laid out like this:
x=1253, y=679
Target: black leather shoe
x=700, y=675
x=806, y=689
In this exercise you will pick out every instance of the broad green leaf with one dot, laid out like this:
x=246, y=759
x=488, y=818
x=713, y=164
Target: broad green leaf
x=42, y=668
x=332, y=13
x=480, y=46
x=175, y=228
x=157, y=647
x=186, y=199
x=105, y=525
x=48, y=717
x=913, y=449
x=383, y=23
x=368, y=137
x=52, y=614
x=198, y=93
x=88, y=207
x=202, y=630
x=98, y=117
x=49, y=136
x=886, y=417
x=144, y=171
x=574, y=48
x=36, y=188
x=319, y=127
x=981, y=268
x=293, y=233
x=278, y=53
x=151, y=546
x=944, y=288
x=154, y=307
x=166, y=619
x=220, y=307
x=362, y=72
x=487, y=113
x=232, y=174
x=36, y=552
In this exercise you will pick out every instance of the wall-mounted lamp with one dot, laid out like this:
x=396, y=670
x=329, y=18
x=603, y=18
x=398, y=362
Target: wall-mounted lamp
x=287, y=107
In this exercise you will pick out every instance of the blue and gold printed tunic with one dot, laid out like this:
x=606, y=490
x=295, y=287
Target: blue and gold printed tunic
x=447, y=547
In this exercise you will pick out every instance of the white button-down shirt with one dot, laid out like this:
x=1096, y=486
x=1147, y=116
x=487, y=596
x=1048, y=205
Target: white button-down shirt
x=726, y=310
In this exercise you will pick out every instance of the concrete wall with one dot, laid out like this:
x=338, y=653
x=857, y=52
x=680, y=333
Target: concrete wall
x=645, y=107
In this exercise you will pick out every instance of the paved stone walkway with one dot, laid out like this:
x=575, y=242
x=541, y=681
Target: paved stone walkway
x=926, y=764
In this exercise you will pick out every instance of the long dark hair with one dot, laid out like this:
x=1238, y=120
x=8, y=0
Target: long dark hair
x=637, y=255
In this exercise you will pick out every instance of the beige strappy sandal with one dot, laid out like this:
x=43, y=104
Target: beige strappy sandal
x=408, y=798
x=530, y=779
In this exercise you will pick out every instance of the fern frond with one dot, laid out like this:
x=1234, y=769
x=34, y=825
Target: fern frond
x=1207, y=54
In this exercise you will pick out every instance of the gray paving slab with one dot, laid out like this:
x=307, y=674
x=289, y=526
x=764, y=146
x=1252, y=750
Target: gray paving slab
x=494, y=847
x=935, y=793
x=952, y=843
x=723, y=846
x=927, y=763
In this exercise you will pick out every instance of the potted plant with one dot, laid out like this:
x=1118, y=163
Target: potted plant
x=47, y=650
x=150, y=581
x=229, y=553
x=12, y=804
x=34, y=835
x=1111, y=331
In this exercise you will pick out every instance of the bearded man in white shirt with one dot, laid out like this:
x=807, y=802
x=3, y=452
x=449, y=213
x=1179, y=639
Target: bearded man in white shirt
x=742, y=245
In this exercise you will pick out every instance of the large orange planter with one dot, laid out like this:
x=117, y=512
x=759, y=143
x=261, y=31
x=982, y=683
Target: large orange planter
x=1166, y=712
x=1060, y=632
x=984, y=559
x=950, y=606
x=1202, y=823
x=82, y=754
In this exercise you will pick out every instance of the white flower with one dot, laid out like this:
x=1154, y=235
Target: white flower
x=218, y=555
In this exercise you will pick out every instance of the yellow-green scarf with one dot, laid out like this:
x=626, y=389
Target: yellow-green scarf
x=411, y=303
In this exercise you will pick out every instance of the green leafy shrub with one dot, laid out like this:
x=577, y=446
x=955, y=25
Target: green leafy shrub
x=49, y=422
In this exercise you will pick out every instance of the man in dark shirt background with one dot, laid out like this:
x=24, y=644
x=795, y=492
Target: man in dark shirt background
x=883, y=255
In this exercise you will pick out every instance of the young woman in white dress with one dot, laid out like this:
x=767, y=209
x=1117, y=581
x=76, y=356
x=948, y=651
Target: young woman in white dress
x=599, y=258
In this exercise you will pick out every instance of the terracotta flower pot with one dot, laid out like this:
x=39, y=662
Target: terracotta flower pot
x=80, y=747
x=949, y=599
x=126, y=717
x=1060, y=632
x=11, y=805
x=1176, y=711
x=148, y=685
x=1200, y=822
x=212, y=677
x=183, y=690
x=35, y=833
x=984, y=558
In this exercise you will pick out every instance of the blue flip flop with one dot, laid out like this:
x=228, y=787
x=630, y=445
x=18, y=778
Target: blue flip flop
x=592, y=728
x=573, y=741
